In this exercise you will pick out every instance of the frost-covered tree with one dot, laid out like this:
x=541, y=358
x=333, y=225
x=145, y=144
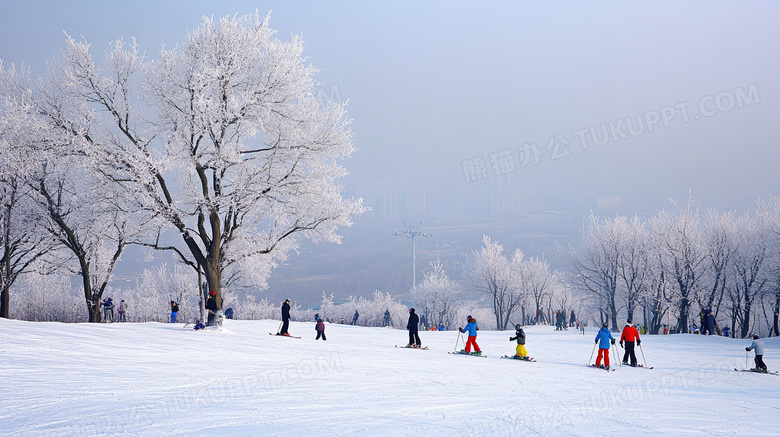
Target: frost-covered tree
x=539, y=282
x=20, y=244
x=222, y=140
x=499, y=277
x=719, y=238
x=682, y=256
x=633, y=262
x=750, y=270
x=773, y=293
x=436, y=295
x=594, y=265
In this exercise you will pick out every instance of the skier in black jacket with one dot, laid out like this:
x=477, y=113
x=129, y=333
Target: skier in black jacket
x=285, y=317
x=211, y=306
x=414, y=337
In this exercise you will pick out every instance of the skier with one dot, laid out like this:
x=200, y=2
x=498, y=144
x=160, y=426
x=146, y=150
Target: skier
x=629, y=336
x=211, y=305
x=710, y=322
x=387, y=317
x=174, y=311
x=758, y=345
x=355, y=318
x=572, y=320
x=726, y=331
x=285, y=317
x=320, y=328
x=122, y=311
x=582, y=327
x=413, y=326
x=472, y=329
x=604, y=338
x=520, y=351
x=108, y=309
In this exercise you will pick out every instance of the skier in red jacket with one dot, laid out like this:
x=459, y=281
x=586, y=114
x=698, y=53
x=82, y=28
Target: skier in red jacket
x=629, y=336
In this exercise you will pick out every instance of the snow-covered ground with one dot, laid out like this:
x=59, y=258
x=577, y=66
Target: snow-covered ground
x=152, y=379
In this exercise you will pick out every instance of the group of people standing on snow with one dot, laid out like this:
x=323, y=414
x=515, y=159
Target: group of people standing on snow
x=629, y=338
x=107, y=307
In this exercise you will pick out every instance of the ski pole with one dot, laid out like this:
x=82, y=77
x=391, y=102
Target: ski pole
x=643, y=354
x=615, y=355
x=458, y=340
x=746, y=359
x=279, y=329
x=591, y=353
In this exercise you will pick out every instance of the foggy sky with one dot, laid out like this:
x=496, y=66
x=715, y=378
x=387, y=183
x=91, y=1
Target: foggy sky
x=435, y=86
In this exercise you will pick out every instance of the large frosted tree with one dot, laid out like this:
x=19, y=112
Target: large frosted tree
x=222, y=140
x=594, y=266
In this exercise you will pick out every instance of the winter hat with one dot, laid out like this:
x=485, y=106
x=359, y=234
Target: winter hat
x=411, y=310
x=468, y=317
x=628, y=321
x=287, y=301
x=755, y=336
x=213, y=293
x=604, y=325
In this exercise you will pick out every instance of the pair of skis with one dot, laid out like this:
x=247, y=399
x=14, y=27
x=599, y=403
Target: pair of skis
x=280, y=335
x=468, y=354
x=755, y=371
x=515, y=357
x=611, y=369
x=638, y=365
x=422, y=348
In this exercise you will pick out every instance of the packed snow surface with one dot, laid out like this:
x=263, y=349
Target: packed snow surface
x=150, y=379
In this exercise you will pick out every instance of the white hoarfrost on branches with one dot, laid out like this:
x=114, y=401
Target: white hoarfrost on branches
x=436, y=296
x=511, y=283
x=221, y=140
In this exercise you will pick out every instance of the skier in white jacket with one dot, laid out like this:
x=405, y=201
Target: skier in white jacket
x=758, y=345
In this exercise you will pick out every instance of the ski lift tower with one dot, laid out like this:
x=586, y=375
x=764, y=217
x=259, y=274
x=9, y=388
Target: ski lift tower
x=412, y=230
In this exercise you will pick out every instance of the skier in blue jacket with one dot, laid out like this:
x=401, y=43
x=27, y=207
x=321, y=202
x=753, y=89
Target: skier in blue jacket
x=472, y=329
x=604, y=338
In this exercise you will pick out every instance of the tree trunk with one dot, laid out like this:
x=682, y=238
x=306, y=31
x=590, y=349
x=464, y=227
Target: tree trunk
x=745, y=321
x=5, y=277
x=682, y=323
x=776, y=313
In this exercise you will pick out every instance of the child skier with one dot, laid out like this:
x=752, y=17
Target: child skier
x=520, y=351
x=604, y=338
x=320, y=328
x=472, y=329
x=758, y=345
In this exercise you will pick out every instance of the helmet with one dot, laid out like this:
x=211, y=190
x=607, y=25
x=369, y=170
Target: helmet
x=755, y=336
x=411, y=310
x=518, y=327
x=604, y=325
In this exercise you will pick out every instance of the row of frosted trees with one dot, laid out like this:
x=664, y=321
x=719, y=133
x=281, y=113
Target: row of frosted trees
x=672, y=267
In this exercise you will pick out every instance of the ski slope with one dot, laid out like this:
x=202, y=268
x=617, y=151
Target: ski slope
x=162, y=379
